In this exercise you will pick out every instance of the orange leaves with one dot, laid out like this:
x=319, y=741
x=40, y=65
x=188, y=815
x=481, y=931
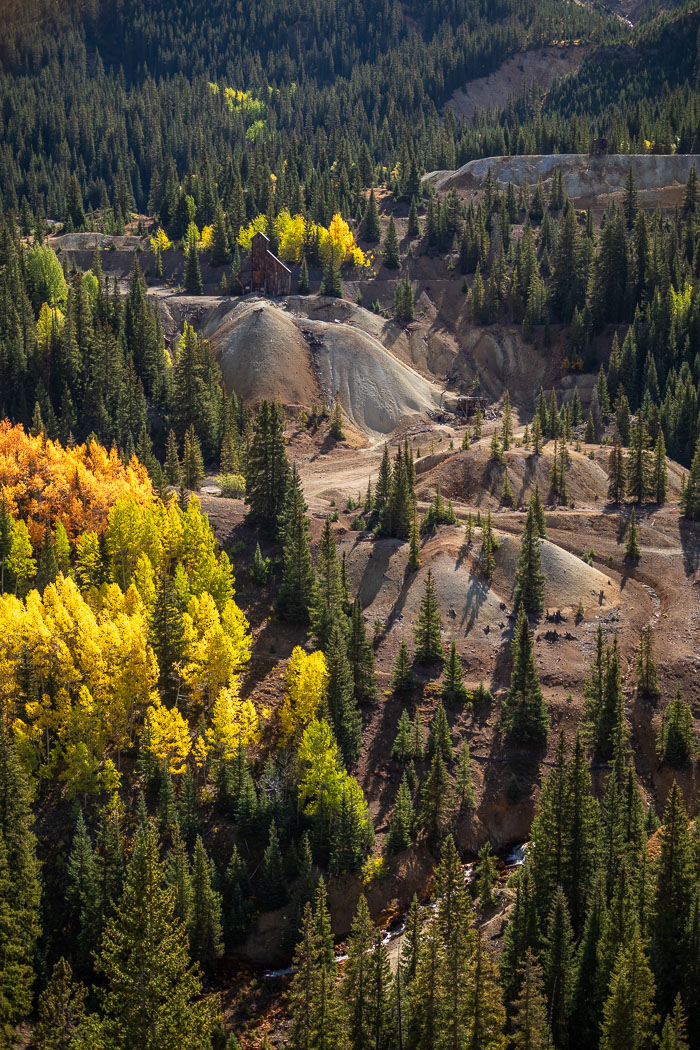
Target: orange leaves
x=41, y=480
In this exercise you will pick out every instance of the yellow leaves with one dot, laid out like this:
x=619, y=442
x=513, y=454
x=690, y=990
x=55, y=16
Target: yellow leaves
x=339, y=238
x=306, y=682
x=49, y=326
x=42, y=480
x=682, y=302
x=170, y=739
x=290, y=236
x=160, y=242
x=216, y=647
x=234, y=724
x=206, y=237
x=246, y=234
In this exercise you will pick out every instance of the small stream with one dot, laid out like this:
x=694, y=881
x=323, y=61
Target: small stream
x=396, y=929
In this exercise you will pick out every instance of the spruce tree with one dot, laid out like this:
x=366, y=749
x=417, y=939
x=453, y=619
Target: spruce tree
x=439, y=738
x=507, y=423
x=674, y=1035
x=453, y=690
x=629, y=1019
x=193, y=274
x=342, y=708
x=638, y=467
x=525, y=716
x=414, y=545
x=327, y=594
x=153, y=995
x=487, y=877
x=403, y=820
x=268, y=471
x=392, y=258
x=672, y=901
x=361, y=657
x=356, y=979
x=47, y=570
x=61, y=1012
x=303, y=286
x=558, y=963
x=530, y=1025
x=172, y=460
x=83, y=899
x=402, y=673
x=413, y=223
x=676, y=744
x=647, y=679
x=538, y=512
x=659, y=477
x=465, y=799
x=488, y=559
x=428, y=632
x=335, y=425
x=166, y=634
x=529, y=578
x=435, y=801
x=371, y=230
x=690, y=497
x=402, y=749
x=296, y=590
x=332, y=282
x=632, y=549
x=192, y=462
x=616, y=474
x=205, y=924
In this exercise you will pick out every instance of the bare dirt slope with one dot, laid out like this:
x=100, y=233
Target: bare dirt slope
x=539, y=66
x=586, y=179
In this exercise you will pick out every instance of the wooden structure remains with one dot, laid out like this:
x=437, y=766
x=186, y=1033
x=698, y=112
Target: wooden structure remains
x=264, y=272
x=467, y=406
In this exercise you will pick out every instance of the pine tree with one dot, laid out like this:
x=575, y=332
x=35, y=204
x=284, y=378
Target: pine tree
x=48, y=567
x=453, y=691
x=392, y=259
x=303, y=286
x=690, y=496
x=335, y=425
x=83, y=898
x=525, y=716
x=172, y=461
x=435, y=802
x=647, y=679
x=488, y=559
x=507, y=424
x=342, y=708
x=361, y=657
x=628, y=1015
x=428, y=632
x=402, y=749
x=413, y=224
x=193, y=274
x=327, y=595
x=371, y=228
x=638, y=467
x=383, y=487
x=179, y=878
x=486, y=879
x=192, y=462
x=356, y=980
x=616, y=474
x=659, y=478
x=529, y=578
x=672, y=901
x=465, y=799
x=61, y=1011
x=439, y=738
x=632, y=549
x=205, y=924
x=268, y=473
x=332, y=282
x=19, y=890
x=674, y=1035
x=403, y=820
x=402, y=673
x=536, y=436
x=414, y=545
x=153, y=994
x=530, y=1027
x=317, y=1016
x=166, y=634
x=558, y=962
x=676, y=743
x=297, y=579
x=220, y=253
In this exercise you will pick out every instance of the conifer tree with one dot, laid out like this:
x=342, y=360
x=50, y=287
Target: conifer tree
x=193, y=274
x=525, y=716
x=439, y=738
x=153, y=998
x=371, y=228
x=558, y=963
x=507, y=423
x=317, y=1018
x=521, y=934
x=356, y=980
x=361, y=657
x=327, y=594
x=268, y=473
x=413, y=224
x=530, y=1027
x=676, y=744
x=638, y=467
x=414, y=545
x=616, y=474
x=435, y=801
x=674, y=1035
x=488, y=559
x=402, y=749
x=529, y=578
x=672, y=901
x=647, y=679
x=61, y=1012
x=536, y=436
x=465, y=799
x=403, y=820
x=487, y=876
x=167, y=634
x=332, y=282
x=659, y=477
x=47, y=570
x=335, y=425
x=83, y=898
x=428, y=632
x=303, y=286
x=345, y=718
x=192, y=462
x=402, y=673
x=632, y=549
x=205, y=924
x=297, y=579
x=453, y=691
x=690, y=497
x=179, y=879
x=172, y=460
x=629, y=1019
x=392, y=258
